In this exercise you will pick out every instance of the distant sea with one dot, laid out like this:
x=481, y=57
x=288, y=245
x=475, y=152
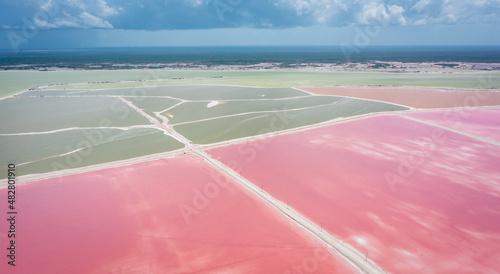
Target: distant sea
x=252, y=55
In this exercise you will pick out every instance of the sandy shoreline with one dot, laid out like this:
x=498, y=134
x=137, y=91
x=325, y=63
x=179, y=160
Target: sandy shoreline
x=379, y=66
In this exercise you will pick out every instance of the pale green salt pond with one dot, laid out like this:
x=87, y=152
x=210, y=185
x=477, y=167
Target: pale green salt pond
x=16, y=81
x=193, y=111
x=100, y=146
x=192, y=92
x=38, y=114
x=223, y=129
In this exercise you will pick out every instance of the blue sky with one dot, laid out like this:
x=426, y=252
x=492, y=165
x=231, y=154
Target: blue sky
x=52, y=24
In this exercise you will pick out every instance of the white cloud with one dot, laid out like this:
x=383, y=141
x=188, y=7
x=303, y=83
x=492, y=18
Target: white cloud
x=454, y=12
x=10, y=27
x=320, y=10
x=421, y=21
x=104, y=10
x=92, y=21
x=42, y=24
x=47, y=6
x=450, y=12
x=418, y=12
x=397, y=14
x=373, y=13
x=57, y=23
x=74, y=14
x=421, y=5
x=482, y=3
x=84, y=20
x=261, y=13
x=449, y=18
x=379, y=13
x=62, y=23
x=99, y=7
x=196, y=3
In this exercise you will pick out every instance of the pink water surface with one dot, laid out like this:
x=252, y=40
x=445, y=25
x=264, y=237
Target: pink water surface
x=412, y=197
x=128, y=220
x=483, y=122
